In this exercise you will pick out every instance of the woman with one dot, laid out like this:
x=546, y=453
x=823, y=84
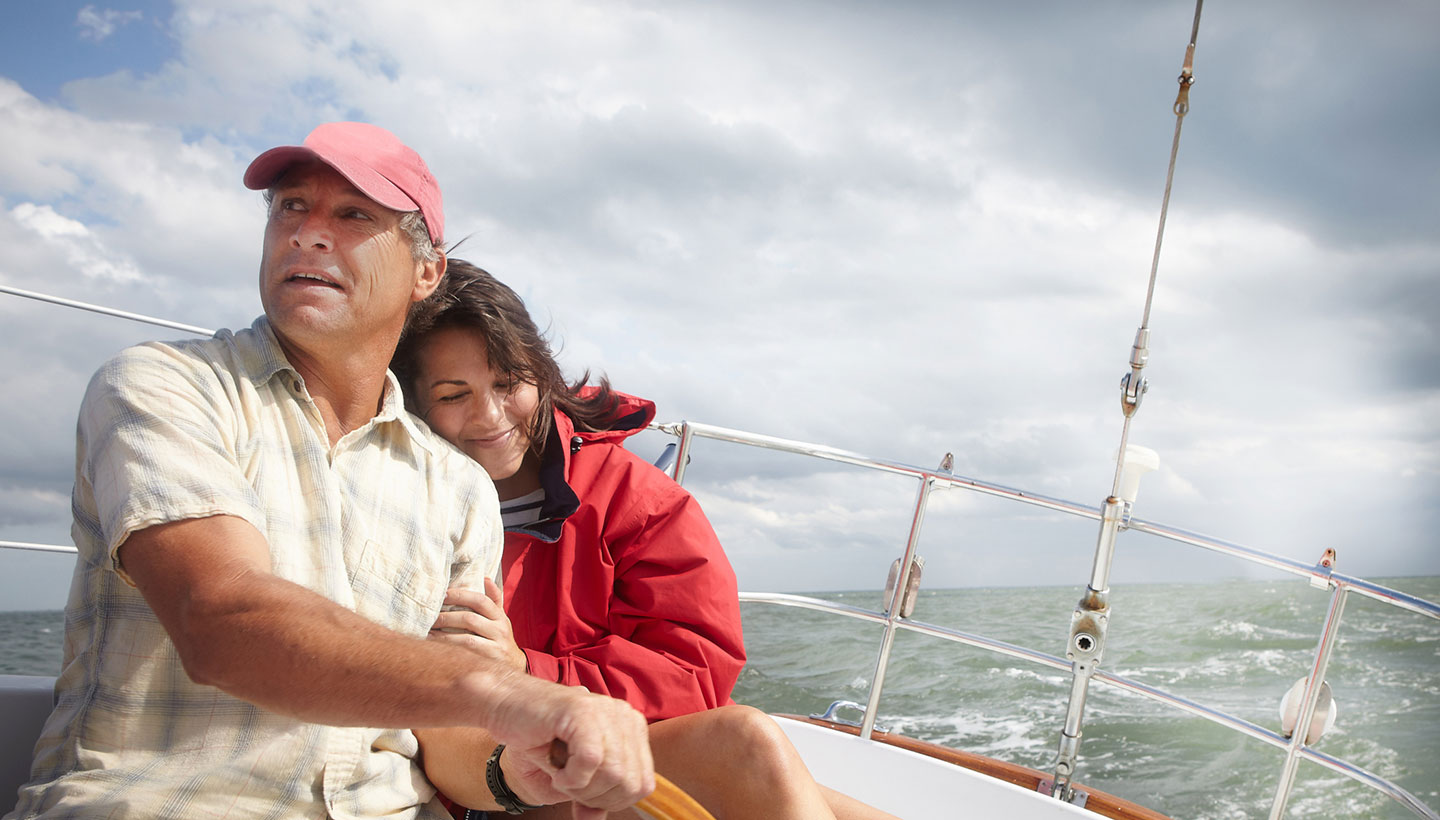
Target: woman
x=613, y=579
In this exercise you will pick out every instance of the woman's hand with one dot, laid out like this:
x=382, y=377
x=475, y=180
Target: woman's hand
x=479, y=623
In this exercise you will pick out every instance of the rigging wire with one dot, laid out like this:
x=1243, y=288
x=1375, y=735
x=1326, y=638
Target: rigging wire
x=1133, y=385
x=1090, y=619
x=1181, y=108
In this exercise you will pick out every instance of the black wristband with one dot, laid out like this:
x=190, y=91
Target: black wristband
x=495, y=779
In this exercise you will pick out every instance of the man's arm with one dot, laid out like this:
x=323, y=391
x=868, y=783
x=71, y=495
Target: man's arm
x=240, y=628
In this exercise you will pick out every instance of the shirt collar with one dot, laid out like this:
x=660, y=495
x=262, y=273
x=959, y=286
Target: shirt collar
x=392, y=408
x=265, y=359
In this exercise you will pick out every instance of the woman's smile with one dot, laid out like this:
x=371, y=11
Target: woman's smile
x=497, y=440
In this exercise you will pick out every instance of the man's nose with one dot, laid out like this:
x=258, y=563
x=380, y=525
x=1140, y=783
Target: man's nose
x=312, y=232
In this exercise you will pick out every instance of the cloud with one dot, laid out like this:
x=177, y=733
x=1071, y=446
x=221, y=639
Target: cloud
x=82, y=250
x=98, y=25
x=118, y=198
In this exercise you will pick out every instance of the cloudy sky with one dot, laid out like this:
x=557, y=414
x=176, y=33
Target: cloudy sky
x=901, y=229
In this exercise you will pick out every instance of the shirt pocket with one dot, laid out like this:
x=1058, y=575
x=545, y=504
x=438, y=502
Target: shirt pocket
x=400, y=587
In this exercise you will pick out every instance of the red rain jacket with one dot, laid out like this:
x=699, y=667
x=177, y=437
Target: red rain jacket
x=622, y=586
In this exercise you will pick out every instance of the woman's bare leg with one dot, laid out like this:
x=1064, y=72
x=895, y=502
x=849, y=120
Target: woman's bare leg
x=845, y=807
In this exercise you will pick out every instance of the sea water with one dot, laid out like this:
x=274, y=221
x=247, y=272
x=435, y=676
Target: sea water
x=1235, y=646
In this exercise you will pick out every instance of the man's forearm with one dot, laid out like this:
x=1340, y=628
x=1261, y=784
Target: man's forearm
x=294, y=652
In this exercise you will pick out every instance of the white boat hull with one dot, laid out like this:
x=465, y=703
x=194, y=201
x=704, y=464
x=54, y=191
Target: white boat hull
x=912, y=786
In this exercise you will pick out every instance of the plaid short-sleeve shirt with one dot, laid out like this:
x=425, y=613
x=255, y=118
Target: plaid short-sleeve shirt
x=382, y=523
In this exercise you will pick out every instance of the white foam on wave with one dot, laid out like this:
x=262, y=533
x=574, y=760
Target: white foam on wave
x=1247, y=631
x=1228, y=667
x=1228, y=629
x=1029, y=674
x=972, y=730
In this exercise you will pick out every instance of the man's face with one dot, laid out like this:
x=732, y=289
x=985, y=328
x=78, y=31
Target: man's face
x=336, y=268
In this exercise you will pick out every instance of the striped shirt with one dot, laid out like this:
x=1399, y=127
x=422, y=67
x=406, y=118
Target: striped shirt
x=382, y=523
x=519, y=512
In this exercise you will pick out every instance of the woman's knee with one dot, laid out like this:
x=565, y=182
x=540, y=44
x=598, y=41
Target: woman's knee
x=748, y=741
x=760, y=738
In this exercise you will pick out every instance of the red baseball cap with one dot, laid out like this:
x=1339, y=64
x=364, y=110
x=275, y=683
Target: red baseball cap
x=374, y=160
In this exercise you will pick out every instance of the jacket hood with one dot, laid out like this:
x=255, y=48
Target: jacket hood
x=631, y=415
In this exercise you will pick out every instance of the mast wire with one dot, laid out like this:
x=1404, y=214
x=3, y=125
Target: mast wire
x=1181, y=108
x=1088, y=623
x=1133, y=385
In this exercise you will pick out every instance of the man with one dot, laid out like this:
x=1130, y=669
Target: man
x=266, y=537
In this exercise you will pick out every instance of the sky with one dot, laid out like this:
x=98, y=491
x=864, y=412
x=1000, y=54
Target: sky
x=902, y=229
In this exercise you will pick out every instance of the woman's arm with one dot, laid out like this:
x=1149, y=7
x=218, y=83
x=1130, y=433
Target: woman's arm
x=454, y=761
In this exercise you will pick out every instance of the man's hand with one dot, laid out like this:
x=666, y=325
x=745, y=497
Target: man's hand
x=608, y=767
x=478, y=622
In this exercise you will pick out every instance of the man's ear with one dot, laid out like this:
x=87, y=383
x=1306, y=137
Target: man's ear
x=430, y=275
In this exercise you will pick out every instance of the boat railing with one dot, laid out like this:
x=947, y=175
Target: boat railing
x=677, y=459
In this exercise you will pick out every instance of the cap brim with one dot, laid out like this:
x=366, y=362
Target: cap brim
x=267, y=169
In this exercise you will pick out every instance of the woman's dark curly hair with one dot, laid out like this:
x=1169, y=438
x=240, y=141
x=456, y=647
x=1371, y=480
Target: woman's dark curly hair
x=469, y=297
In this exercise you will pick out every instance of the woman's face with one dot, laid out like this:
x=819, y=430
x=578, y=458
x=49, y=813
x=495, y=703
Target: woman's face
x=486, y=413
